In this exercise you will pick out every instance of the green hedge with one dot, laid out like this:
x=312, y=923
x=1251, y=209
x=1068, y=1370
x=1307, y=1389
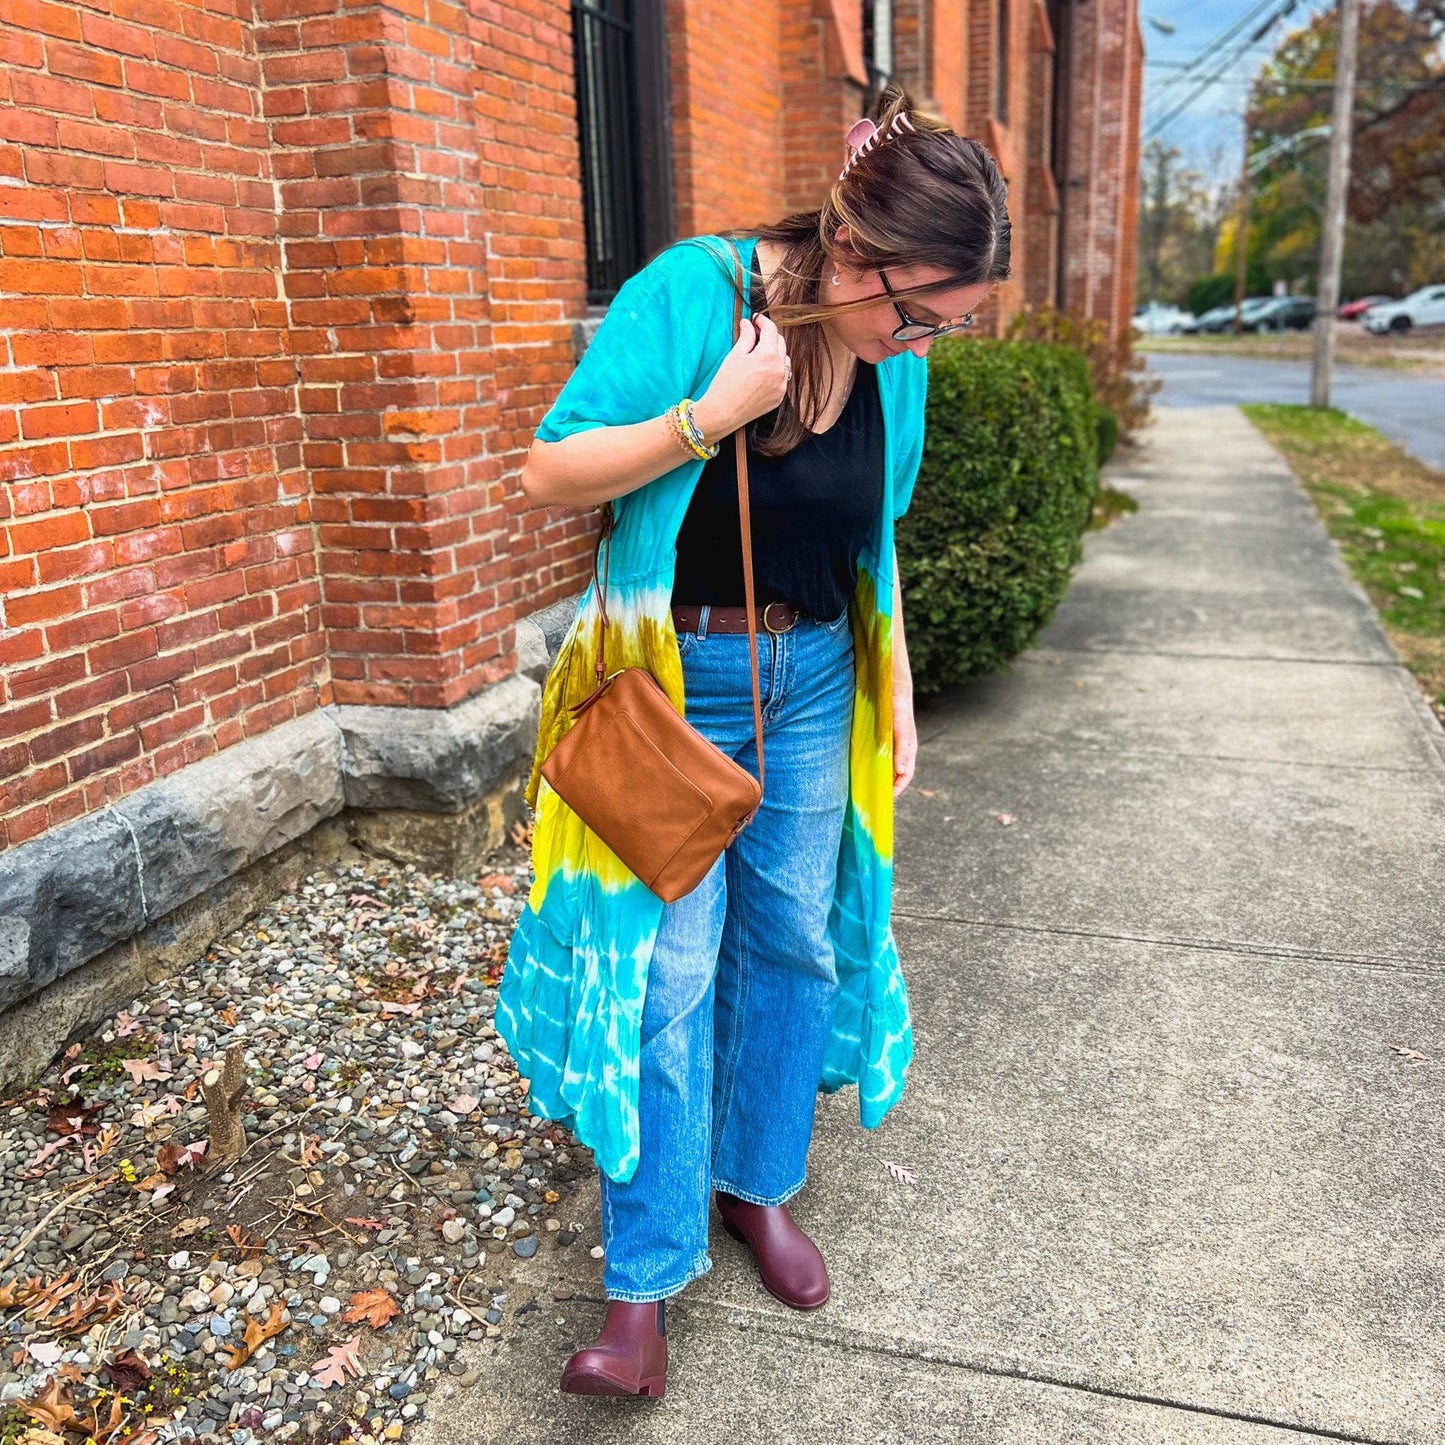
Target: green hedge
x=1009, y=477
x=1106, y=429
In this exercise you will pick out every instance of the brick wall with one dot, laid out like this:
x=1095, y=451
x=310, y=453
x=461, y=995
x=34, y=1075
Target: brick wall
x=161, y=596
x=286, y=291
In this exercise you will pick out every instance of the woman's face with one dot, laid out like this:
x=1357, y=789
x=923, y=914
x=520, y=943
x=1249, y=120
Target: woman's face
x=868, y=332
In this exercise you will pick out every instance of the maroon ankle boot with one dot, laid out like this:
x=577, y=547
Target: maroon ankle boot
x=629, y=1357
x=791, y=1267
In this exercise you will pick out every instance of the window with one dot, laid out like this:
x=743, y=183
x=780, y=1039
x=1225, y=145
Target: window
x=877, y=46
x=1000, y=99
x=619, y=50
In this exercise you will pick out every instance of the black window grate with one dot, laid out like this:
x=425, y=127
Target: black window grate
x=603, y=39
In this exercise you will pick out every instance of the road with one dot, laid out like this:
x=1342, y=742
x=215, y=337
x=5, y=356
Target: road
x=1408, y=409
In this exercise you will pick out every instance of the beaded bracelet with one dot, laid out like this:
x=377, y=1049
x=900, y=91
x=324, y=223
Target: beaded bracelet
x=675, y=427
x=685, y=426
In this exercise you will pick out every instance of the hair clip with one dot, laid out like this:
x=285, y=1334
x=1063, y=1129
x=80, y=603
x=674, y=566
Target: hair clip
x=863, y=135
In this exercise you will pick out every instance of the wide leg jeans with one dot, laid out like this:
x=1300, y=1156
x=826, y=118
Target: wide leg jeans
x=741, y=985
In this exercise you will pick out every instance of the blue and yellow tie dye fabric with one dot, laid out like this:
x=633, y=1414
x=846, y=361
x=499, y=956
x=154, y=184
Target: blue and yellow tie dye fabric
x=570, y=1004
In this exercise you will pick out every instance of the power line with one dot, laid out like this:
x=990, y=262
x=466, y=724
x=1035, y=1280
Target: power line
x=1257, y=35
x=1223, y=38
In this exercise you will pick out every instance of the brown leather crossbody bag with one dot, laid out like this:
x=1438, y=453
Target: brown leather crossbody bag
x=658, y=793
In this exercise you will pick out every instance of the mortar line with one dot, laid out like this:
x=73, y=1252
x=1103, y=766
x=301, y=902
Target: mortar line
x=1383, y=962
x=870, y=1342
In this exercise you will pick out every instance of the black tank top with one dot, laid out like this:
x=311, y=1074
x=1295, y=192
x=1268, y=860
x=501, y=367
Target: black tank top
x=812, y=511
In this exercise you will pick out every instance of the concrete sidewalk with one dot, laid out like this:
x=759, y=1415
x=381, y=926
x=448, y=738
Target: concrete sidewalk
x=1173, y=1183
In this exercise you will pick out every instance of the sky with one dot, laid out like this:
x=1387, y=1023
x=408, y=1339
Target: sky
x=1209, y=131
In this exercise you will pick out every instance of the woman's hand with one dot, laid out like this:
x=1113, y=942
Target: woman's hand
x=751, y=382
x=905, y=735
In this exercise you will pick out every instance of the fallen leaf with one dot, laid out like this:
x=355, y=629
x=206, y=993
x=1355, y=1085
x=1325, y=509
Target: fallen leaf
x=363, y=1223
x=902, y=1175
x=18, y=1291
x=375, y=1306
x=311, y=1150
x=73, y=1052
x=128, y=1371
x=44, y=1353
x=47, y=1151
x=228, y=1017
x=521, y=834
x=188, y=1227
x=106, y=1140
x=339, y=1361
x=143, y=1071
x=125, y=1025
x=172, y=1158
x=149, y=1115
x=1414, y=1056
x=73, y=1118
x=464, y=1103
x=257, y=1333
x=389, y=1007
x=51, y=1409
x=66, y=1075
x=364, y=900
x=458, y=982
x=249, y=1245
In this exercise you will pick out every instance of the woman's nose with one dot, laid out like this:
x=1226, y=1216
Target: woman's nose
x=920, y=346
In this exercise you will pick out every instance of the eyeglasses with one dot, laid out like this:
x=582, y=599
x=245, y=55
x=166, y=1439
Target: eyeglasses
x=912, y=329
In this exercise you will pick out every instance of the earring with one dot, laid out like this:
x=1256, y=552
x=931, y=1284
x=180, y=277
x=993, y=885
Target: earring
x=837, y=279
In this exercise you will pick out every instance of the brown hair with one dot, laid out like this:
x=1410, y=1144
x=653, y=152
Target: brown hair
x=919, y=196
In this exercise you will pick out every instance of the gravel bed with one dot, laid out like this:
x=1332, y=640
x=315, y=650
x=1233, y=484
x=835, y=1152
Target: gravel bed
x=316, y=1289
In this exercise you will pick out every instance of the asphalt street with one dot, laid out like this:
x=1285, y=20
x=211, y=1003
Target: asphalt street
x=1408, y=409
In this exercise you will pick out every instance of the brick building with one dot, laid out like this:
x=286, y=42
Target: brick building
x=286, y=286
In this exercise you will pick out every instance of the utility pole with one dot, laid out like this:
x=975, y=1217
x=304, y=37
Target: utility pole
x=1336, y=195
x=1241, y=236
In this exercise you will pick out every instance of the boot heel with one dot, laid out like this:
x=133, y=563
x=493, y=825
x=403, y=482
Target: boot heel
x=653, y=1389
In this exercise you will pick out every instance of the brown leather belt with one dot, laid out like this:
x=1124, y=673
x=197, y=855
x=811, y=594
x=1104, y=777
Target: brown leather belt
x=775, y=617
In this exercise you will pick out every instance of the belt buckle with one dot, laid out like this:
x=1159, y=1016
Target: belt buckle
x=776, y=631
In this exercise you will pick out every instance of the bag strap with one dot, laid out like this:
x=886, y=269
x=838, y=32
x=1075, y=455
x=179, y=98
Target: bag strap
x=609, y=521
x=745, y=524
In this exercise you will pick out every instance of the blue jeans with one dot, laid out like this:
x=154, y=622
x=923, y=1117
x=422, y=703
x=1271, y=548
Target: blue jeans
x=741, y=986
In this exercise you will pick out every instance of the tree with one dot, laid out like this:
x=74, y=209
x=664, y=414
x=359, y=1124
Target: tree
x=1397, y=184
x=1178, y=222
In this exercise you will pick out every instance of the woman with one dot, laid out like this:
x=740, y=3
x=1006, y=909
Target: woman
x=684, y=1043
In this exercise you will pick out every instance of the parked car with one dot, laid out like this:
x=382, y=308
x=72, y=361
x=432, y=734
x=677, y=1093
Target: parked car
x=1222, y=317
x=1354, y=310
x=1281, y=314
x=1156, y=320
x=1425, y=307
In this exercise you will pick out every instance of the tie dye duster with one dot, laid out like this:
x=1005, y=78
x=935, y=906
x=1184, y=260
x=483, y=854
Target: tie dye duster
x=570, y=1003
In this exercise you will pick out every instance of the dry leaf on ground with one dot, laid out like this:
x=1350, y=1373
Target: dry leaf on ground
x=375, y=1306
x=339, y=1361
x=74, y=1118
x=902, y=1175
x=128, y=1371
x=257, y=1333
x=144, y=1071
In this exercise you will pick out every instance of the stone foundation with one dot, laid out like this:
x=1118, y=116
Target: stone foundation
x=93, y=909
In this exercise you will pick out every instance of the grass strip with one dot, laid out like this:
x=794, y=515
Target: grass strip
x=1387, y=512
